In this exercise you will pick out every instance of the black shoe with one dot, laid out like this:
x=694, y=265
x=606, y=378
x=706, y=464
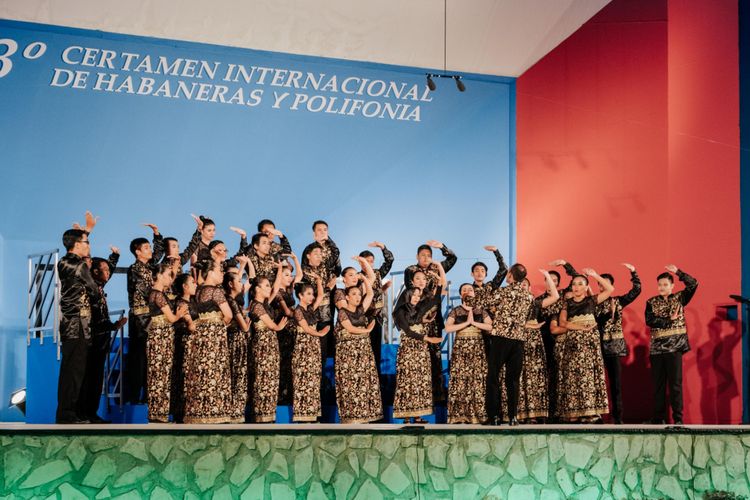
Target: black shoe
x=618, y=421
x=678, y=422
x=492, y=421
x=656, y=421
x=96, y=419
x=513, y=422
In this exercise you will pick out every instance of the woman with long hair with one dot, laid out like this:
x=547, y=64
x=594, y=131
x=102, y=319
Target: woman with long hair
x=237, y=336
x=184, y=288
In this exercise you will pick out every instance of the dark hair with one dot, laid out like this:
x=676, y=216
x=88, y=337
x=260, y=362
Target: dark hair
x=309, y=248
x=214, y=244
x=424, y=247
x=609, y=277
x=205, y=266
x=206, y=221
x=344, y=271
x=555, y=273
x=518, y=271
x=73, y=236
x=168, y=239
x=479, y=264
x=161, y=268
x=96, y=265
x=527, y=281
x=301, y=287
x=136, y=244
x=350, y=288
x=265, y=222
x=665, y=276
x=463, y=285
x=366, y=253
x=319, y=222
x=256, y=238
x=585, y=278
x=227, y=282
x=255, y=283
x=179, y=283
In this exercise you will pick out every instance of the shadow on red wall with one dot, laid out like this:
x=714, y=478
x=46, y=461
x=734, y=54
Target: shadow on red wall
x=628, y=151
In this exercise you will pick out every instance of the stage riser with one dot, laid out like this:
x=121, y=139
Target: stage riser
x=371, y=465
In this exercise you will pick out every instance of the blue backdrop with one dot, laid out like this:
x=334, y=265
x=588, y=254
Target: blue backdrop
x=403, y=165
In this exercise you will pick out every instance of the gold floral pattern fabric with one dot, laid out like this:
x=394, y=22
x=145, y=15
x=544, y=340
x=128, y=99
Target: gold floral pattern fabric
x=413, y=385
x=159, y=356
x=306, y=370
x=266, y=361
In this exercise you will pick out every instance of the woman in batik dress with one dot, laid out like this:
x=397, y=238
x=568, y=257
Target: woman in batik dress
x=357, y=387
x=206, y=364
x=306, y=369
x=468, y=370
x=160, y=345
x=237, y=340
x=184, y=288
x=581, y=387
x=265, y=349
x=413, y=398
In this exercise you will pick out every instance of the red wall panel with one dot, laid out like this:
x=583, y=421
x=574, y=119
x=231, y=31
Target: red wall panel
x=616, y=164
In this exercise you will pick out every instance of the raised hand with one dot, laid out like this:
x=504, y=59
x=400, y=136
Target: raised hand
x=558, y=262
x=91, y=221
x=490, y=248
x=544, y=272
x=240, y=231
x=376, y=244
x=589, y=272
x=435, y=244
x=276, y=232
x=386, y=285
x=153, y=227
x=198, y=221
x=114, y=250
x=671, y=268
x=630, y=267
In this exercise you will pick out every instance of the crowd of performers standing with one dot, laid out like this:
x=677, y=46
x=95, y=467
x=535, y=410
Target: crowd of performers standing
x=235, y=335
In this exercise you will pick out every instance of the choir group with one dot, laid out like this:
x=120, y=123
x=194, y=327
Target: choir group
x=226, y=340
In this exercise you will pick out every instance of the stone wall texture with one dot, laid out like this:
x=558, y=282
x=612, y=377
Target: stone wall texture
x=403, y=464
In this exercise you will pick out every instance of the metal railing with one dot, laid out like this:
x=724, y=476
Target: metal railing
x=43, y=297
x=113, y=367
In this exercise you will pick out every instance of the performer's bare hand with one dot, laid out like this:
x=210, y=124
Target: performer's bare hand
x=114, y=250
x=630, y=267
x=198, y=221
x=376, y=244
x=153, y=227
x=435, y=244
x=490, y=248
x=671, y=268
x=558, y=262
x=91, y=221
x=240, y=231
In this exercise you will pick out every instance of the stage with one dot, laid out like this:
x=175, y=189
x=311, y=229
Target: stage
x=373, y=461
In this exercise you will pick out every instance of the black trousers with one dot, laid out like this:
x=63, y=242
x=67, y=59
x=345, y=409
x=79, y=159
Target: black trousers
x=135, y=367
x=72, y=372
x=549, y=351
x=508, y=353
x=614, y=373
x=376, y=341
x=666, y=372
x=88, y=402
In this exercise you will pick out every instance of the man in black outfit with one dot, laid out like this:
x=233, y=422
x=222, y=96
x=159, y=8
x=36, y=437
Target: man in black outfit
x=101, y=330
x=77, y=292
x=665, y=316
x=140, y=281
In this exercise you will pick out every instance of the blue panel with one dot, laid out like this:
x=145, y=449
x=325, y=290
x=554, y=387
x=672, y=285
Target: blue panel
x=744, y=39
x=135, y=158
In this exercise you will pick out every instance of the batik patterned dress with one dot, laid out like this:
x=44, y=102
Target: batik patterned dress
x=357, y=387
x=306, y=369
x=468, y=371
x=206, y=364
x=581, y=387
x=159, y=356
x=265, y=348
x=413, y=396
x=237, y=341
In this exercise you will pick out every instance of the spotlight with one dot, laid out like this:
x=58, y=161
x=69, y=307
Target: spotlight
x=18, y=399
x=459, y=84
x=430, y=83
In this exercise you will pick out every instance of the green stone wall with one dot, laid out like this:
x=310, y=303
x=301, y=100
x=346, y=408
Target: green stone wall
x=401, y=464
